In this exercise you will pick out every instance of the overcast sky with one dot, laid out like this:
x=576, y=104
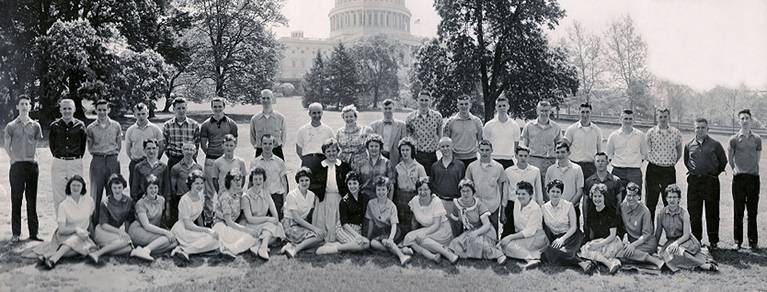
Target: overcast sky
x=701, y=43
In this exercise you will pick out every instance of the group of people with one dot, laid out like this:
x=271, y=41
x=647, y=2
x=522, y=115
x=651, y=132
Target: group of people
x=494, y=193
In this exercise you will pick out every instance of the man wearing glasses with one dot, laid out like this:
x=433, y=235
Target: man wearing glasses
x=585, y=140
x=627, y=149
x=664, y=148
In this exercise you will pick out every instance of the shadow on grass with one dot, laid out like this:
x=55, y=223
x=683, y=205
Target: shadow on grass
x=741, y=259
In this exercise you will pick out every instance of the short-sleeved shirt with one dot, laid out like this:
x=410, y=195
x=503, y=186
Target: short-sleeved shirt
x=571, y=176
x=190, y=209
x=223, y=165
x=297, y=202
x=600, y=222
x=275, y=171
x=626, y=150
x=116, y=213
x=408, y=174
x=425, y=129
x=176, y=134
x=662, y=147
x=311, y=138
x=179, y=174
x=215, y=130
x=75, y=213
x=382, y=215
x=488, y=178
x=557, y=218
x=444, y=180
x=465, y=132
x=153, y=208
x=584, y=141
x=530, y=174
x=67, y=139
x=351, y=210
x=425, y=214
x=637, y=221
x=672, y=222
x=541, y=138
x=502, y=135
x=228, y=206
x=105, y=138
x=136, y=135
x=470, y=216
x=262, y=124
x=745, y=152
x=23, y=139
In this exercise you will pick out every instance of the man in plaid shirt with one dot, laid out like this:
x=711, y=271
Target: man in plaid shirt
x=178, y=130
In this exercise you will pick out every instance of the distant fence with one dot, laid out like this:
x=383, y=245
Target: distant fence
x=684, y=126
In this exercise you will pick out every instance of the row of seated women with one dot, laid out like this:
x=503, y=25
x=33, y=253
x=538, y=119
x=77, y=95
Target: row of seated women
x=248, y=220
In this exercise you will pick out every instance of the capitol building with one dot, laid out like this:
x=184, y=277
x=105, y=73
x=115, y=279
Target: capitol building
x=350, y=21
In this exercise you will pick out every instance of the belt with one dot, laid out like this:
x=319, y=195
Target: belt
x=314, y=154
x=69, y=158
x=542, y=157
x=102, y=155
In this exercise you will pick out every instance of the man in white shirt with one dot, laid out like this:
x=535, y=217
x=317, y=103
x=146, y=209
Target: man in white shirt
x=310, y=137
x=627, y=149
x=585, y=140
x=503, y=132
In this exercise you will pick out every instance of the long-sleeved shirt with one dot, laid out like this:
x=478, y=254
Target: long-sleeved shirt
x=529, y=219
x=704, y=158
x=67, y=139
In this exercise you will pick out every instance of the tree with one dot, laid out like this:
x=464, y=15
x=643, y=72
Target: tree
x=585, y=52
x=378, y=61
x=237, y=50
x=342, y=79
x=141, y=78
x=674, y=96
x=501, y=44
x=444, y=77
x=314, y=82
x=626, y=54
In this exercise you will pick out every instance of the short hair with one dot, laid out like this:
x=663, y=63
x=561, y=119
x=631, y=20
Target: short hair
x=23, y=97
x=468, y=183
x=525, y=186
x=76, y=178
x=258, y=171
x=542, y=103
x=486, y=143
x=673, y=188
x=350, y=109
x=352, y=176
x=193, y=176
x=407, y=141
x=501, y=98
x=151, y=179
x=330, y=142
x=267, y=136
x=422, y=181
x=388, y=101
x=315, y=104
x=230, y=138
x=627, y=112
x=586, y=105
x=139, y=107
x=218, y=99
x=231, y=175
x=266, y=91
x=150, y=140
x=116, y=178
x=178, y=100
x=702, y=120
x=600, y=153
x=374, y=138
x=632, y=185
x=563, y=145
x=464, y=97
x=426, y=93
x=598, y=188
x=102, y=102
x=521, y=148
x=445, y=139
x=303, y=172
x=664, y=110
x=66, y=100
x=383, y=181
x=555, y=184
x=745, y=112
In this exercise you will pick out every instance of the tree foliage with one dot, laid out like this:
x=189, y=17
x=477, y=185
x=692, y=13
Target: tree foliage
x=585, y=53
x=342, y=78
x=314, y=81
x=626, y=55
x=378, y=62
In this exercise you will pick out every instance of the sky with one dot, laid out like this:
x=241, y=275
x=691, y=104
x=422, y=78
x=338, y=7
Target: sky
x=700, y=43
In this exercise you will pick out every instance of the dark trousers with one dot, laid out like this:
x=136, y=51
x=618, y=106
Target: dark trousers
x=279, y=201
x=277, y=151
x=745, y=195
x=703, y=192
x=23, y=180
x=657, y=178
x=172, y=209
x=588, y=169
x=506, y=163
x=629, y=174
x=426, y=159
x=101, y=168
x=466, y=163
x=508, y=226
x=131, y=166
x=312, y=161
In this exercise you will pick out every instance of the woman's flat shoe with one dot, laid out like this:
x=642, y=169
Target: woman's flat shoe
x=50, y=264
x=405, y=260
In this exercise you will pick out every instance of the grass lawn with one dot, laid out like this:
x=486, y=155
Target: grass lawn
x=739, y=270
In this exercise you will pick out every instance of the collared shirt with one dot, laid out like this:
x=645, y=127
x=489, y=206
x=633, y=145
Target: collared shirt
x=177, y=133
x=425, y=215
x=351, y=210
x=215, y=130
x=571, y=175
x=425, y=129
x=408, y=174
x=388, y=128
x=637, y=221
x=705, y=158
x=75, y=213
x=466, y=133
x=67, y=139
x=352, y=143
x=223, y=165
x=136, y=135
x=178, y=175
x=541, y=138
x=272, y=123
x=142, y=170
x=661, y=146
x=22, y=138
x=369, y=171
x=116, y=213
x=627, y=150
x=489, y=179
x=600, y=222
x=530, y=174
x=502, y=135
x=614, y=189
x=298, y=203
x=557, y=218
x=672, y=222
x=382, y=215
x=528, y=219
x=310, y=138
x=744, y=153
x=584, y=141
x=444, y=180
x=104, y=139
x=275, y=171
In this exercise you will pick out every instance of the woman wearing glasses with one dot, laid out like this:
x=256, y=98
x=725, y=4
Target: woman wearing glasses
x=640, y=243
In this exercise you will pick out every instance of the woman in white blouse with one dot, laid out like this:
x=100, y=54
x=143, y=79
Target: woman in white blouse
x=561, y=227
x=298, y=204
x=435, y=234
x=528, y=239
